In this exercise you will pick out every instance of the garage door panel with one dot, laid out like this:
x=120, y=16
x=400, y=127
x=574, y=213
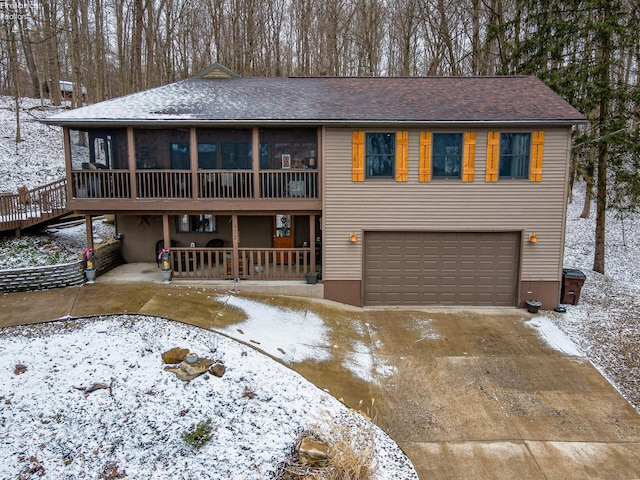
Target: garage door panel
x=447, y=268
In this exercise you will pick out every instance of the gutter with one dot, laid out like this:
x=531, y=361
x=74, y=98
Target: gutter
x=307, y=123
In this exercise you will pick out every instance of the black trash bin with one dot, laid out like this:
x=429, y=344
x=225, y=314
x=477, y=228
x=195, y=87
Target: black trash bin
x=572, y=281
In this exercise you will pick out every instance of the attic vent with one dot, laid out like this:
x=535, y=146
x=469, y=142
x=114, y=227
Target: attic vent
x=216, y=71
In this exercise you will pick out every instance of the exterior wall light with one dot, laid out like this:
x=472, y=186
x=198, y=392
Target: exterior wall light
x=353, y=238
x=533, y=238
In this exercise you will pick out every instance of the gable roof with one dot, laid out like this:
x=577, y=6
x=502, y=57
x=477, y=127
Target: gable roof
x=522, y=100
x=216, y=71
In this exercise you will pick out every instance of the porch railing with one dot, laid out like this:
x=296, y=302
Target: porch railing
x=179, y=184
x=164, y=184
x=253, y=263
x=100, y=184
x=289, y=184
x=225, y=184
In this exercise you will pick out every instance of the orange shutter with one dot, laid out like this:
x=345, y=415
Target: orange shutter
x=469, y=157
x=535, y=163
x=424, y=172
x=402, y=156
x=357, y=165
x=493, y=156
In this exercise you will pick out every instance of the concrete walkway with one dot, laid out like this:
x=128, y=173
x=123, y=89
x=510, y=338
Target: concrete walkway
x=473, y=395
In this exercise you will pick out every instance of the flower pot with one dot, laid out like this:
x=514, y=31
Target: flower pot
x=533, y=306
x=90, y=273
x=166, y=275
x=312, y=278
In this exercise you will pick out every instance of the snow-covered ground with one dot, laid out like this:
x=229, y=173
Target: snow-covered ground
x=133, y=424
x=39, y=158
x=605, y=324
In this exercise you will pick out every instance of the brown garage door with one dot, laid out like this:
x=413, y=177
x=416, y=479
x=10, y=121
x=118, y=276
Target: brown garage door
x=440, y=268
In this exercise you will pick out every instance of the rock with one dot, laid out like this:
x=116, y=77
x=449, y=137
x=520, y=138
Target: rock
x=175, y=355
x=188, y=372
x=198, y=368
x=313, y=453
x=217, y=370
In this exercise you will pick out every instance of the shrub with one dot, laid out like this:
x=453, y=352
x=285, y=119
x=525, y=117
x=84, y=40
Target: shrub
x=198, y=435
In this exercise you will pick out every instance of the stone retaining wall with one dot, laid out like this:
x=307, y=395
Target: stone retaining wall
x=42, y=278
x=108, y=257
x=59, y=276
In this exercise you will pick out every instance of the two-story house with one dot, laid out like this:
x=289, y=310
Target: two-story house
x=405, y=191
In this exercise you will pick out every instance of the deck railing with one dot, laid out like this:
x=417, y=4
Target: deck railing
x=100, y=184
x=253, y=263
x=164, y=184
x=30, y=207
x=225, y=184
x=289, y=184
x=179, y=184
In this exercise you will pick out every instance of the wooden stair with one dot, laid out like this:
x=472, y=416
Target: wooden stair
x=30, y=208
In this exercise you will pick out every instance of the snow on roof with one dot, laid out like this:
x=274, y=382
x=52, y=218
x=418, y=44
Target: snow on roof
x=333, y=100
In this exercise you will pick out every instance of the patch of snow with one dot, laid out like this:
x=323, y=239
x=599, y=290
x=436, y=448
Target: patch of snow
x=135, y=425
x=271, y=330
x=553, y=336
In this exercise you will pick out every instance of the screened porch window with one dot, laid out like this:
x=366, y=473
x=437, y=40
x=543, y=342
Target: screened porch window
x=180, y=159
x=447, y=155
x=380, y=154
x=236, y=155
x=207, y=156
x=288, y=148
x=224, y=149
x=515, y=150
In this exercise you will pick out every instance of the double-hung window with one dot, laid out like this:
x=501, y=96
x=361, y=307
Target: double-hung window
x=380, y=155
x=446, y=157
x=515, y=152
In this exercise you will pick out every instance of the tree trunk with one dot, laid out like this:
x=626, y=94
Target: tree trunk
x=603, y=58
x=136, y=45
x=76, y=58
x=28, y=56
x=10, y=29
x=51, y=39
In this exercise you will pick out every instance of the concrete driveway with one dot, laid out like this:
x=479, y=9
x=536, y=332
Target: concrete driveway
x=473, y=395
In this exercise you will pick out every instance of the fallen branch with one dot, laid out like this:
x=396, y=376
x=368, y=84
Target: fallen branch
x=92, y=388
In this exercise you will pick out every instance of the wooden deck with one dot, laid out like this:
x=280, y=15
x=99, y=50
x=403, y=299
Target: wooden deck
x=32, y=207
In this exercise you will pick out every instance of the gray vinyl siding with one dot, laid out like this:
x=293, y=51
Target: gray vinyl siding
x=444, y=205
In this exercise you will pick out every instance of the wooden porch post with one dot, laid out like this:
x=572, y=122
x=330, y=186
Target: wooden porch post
x=131, y=147
x=67, y=160
x=235, y=268
x=166, y=235
x=255, y=148
x=88, y=221
x=193, y=148
x=312, y=242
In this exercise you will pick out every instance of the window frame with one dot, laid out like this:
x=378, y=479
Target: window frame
x=460, y=136
x=193, y=223
x=379, y=156
x=524, y=175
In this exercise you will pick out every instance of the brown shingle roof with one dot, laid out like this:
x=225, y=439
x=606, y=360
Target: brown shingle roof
x=335, y=100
